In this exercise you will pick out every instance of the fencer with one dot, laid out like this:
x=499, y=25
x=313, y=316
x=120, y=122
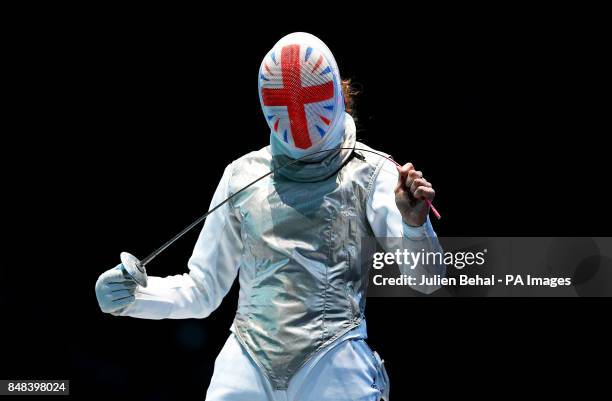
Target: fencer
x=293, y=239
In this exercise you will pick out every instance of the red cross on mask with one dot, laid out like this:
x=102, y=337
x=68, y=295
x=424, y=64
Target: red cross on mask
x=295, y=94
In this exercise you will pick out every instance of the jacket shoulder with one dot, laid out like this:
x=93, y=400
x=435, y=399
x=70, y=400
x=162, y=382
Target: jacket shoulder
x=247, y=168
x=373, y=157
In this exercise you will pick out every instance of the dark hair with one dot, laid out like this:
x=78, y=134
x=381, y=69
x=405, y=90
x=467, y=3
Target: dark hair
x=349, y=92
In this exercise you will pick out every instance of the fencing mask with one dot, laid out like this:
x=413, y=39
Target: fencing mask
x=301, y=96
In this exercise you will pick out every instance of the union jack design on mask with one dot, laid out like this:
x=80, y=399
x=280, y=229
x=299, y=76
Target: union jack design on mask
x=298, y=94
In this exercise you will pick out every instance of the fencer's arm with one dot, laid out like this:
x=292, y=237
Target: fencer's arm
x=212, y=270
x=386, y=222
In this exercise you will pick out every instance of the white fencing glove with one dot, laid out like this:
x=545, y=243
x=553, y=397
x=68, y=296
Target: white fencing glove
x=115, y=290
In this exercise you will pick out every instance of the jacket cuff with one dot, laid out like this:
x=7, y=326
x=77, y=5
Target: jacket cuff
x=414, y=233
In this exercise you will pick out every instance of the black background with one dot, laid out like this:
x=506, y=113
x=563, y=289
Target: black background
x=122, y=122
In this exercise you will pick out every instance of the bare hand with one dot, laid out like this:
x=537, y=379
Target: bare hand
x=410, y=194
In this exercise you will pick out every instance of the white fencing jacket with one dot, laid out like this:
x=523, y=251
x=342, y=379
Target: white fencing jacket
x=216, y=256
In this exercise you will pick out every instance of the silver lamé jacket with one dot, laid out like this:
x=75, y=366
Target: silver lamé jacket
x=295, y=246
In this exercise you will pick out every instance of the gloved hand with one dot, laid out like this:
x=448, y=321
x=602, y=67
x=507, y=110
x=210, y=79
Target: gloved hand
x=115, y=290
